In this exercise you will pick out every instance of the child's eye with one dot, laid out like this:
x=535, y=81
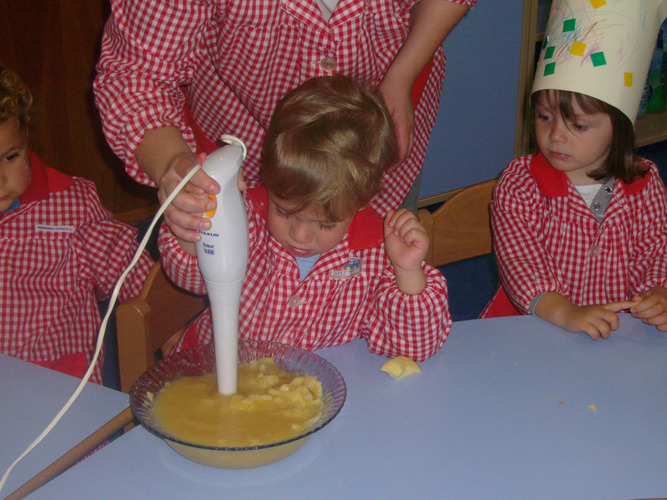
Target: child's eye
x=579, y=127
x=281, y=213
x=10, y=157
x=543, y=117
x=327, y=226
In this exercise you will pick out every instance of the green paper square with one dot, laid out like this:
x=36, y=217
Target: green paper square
x=598, y=59
x=550, y=52
x=549, y=69
x=568, y=25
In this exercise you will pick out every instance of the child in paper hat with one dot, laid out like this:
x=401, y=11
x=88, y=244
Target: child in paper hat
x=580, y=227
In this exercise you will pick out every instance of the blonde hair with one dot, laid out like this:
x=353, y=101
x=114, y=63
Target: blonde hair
x=327, y=145
x=15, y=99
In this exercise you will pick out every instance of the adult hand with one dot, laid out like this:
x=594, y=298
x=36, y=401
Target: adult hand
x=431, y=21
x=185, y=214
x=397, y=96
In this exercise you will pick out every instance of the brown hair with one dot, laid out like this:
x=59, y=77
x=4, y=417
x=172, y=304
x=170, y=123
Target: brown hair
x=15, y=99
x=621, y=162
x=328, y=144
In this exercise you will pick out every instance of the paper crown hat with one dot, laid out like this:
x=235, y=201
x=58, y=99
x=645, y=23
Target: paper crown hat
x=600, y=48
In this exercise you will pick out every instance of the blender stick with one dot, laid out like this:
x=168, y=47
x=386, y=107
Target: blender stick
x=222, y=255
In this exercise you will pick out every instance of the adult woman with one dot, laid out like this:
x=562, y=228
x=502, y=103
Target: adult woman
x=226, y=65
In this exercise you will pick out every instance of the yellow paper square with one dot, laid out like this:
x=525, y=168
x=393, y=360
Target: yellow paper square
x=598, y=3
x=627, y=79
x=578, y=49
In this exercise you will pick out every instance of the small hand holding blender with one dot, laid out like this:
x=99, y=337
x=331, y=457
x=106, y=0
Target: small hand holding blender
x=222, y=254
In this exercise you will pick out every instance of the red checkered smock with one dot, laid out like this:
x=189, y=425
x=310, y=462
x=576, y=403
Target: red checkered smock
x=60, y=253
x=331, y=305
x=547, y=239
x=236, y=59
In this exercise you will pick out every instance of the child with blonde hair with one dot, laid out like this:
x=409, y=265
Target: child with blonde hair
x=323, y=267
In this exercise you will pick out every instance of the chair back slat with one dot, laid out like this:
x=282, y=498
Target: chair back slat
x=460, y=228
x=151, y=321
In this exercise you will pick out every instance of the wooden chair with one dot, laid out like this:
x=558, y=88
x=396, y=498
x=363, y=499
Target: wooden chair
x=459, y=228
x=153, y=321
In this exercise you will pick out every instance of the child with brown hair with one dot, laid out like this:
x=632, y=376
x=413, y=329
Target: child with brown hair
x=580, y=228
x=323, y=267
x=61, y=252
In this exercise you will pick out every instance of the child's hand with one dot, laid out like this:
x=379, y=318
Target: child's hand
x=406, y=243
x=651, y=307
x=405, y=239
x=185, y=215
x=597, y=321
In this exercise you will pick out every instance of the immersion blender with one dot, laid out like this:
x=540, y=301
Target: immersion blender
x=222, y=254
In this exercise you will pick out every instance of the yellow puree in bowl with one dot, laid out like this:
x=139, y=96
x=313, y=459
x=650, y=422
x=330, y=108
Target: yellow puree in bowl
x=271, y=405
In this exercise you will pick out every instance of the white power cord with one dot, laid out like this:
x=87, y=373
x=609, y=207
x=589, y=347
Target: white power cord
x=103, y=325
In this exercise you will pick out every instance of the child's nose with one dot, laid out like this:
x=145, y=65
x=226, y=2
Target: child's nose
x=299, y=232
x=559, y=132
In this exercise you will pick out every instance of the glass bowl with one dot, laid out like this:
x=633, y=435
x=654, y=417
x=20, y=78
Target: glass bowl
x=200, y=360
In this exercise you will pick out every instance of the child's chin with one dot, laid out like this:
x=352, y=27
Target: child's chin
x=5, y=205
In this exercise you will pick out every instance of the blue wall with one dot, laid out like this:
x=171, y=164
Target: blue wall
x=473, y=138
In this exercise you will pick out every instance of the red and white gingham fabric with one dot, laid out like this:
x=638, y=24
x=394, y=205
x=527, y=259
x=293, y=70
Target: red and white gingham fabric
x=235, y=59
x=59, y=255
x=322, y=310
x=546, y=238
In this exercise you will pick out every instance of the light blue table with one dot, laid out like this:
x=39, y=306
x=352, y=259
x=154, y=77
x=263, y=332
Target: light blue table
x=30, y=396
x=500, y=412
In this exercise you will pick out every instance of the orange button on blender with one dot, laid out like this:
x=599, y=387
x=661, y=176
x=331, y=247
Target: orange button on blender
x=211, y=213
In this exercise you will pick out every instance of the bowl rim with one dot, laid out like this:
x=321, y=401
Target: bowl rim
x=342, y=388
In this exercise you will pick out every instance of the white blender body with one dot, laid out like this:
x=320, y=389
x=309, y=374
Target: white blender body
x=222, y=254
